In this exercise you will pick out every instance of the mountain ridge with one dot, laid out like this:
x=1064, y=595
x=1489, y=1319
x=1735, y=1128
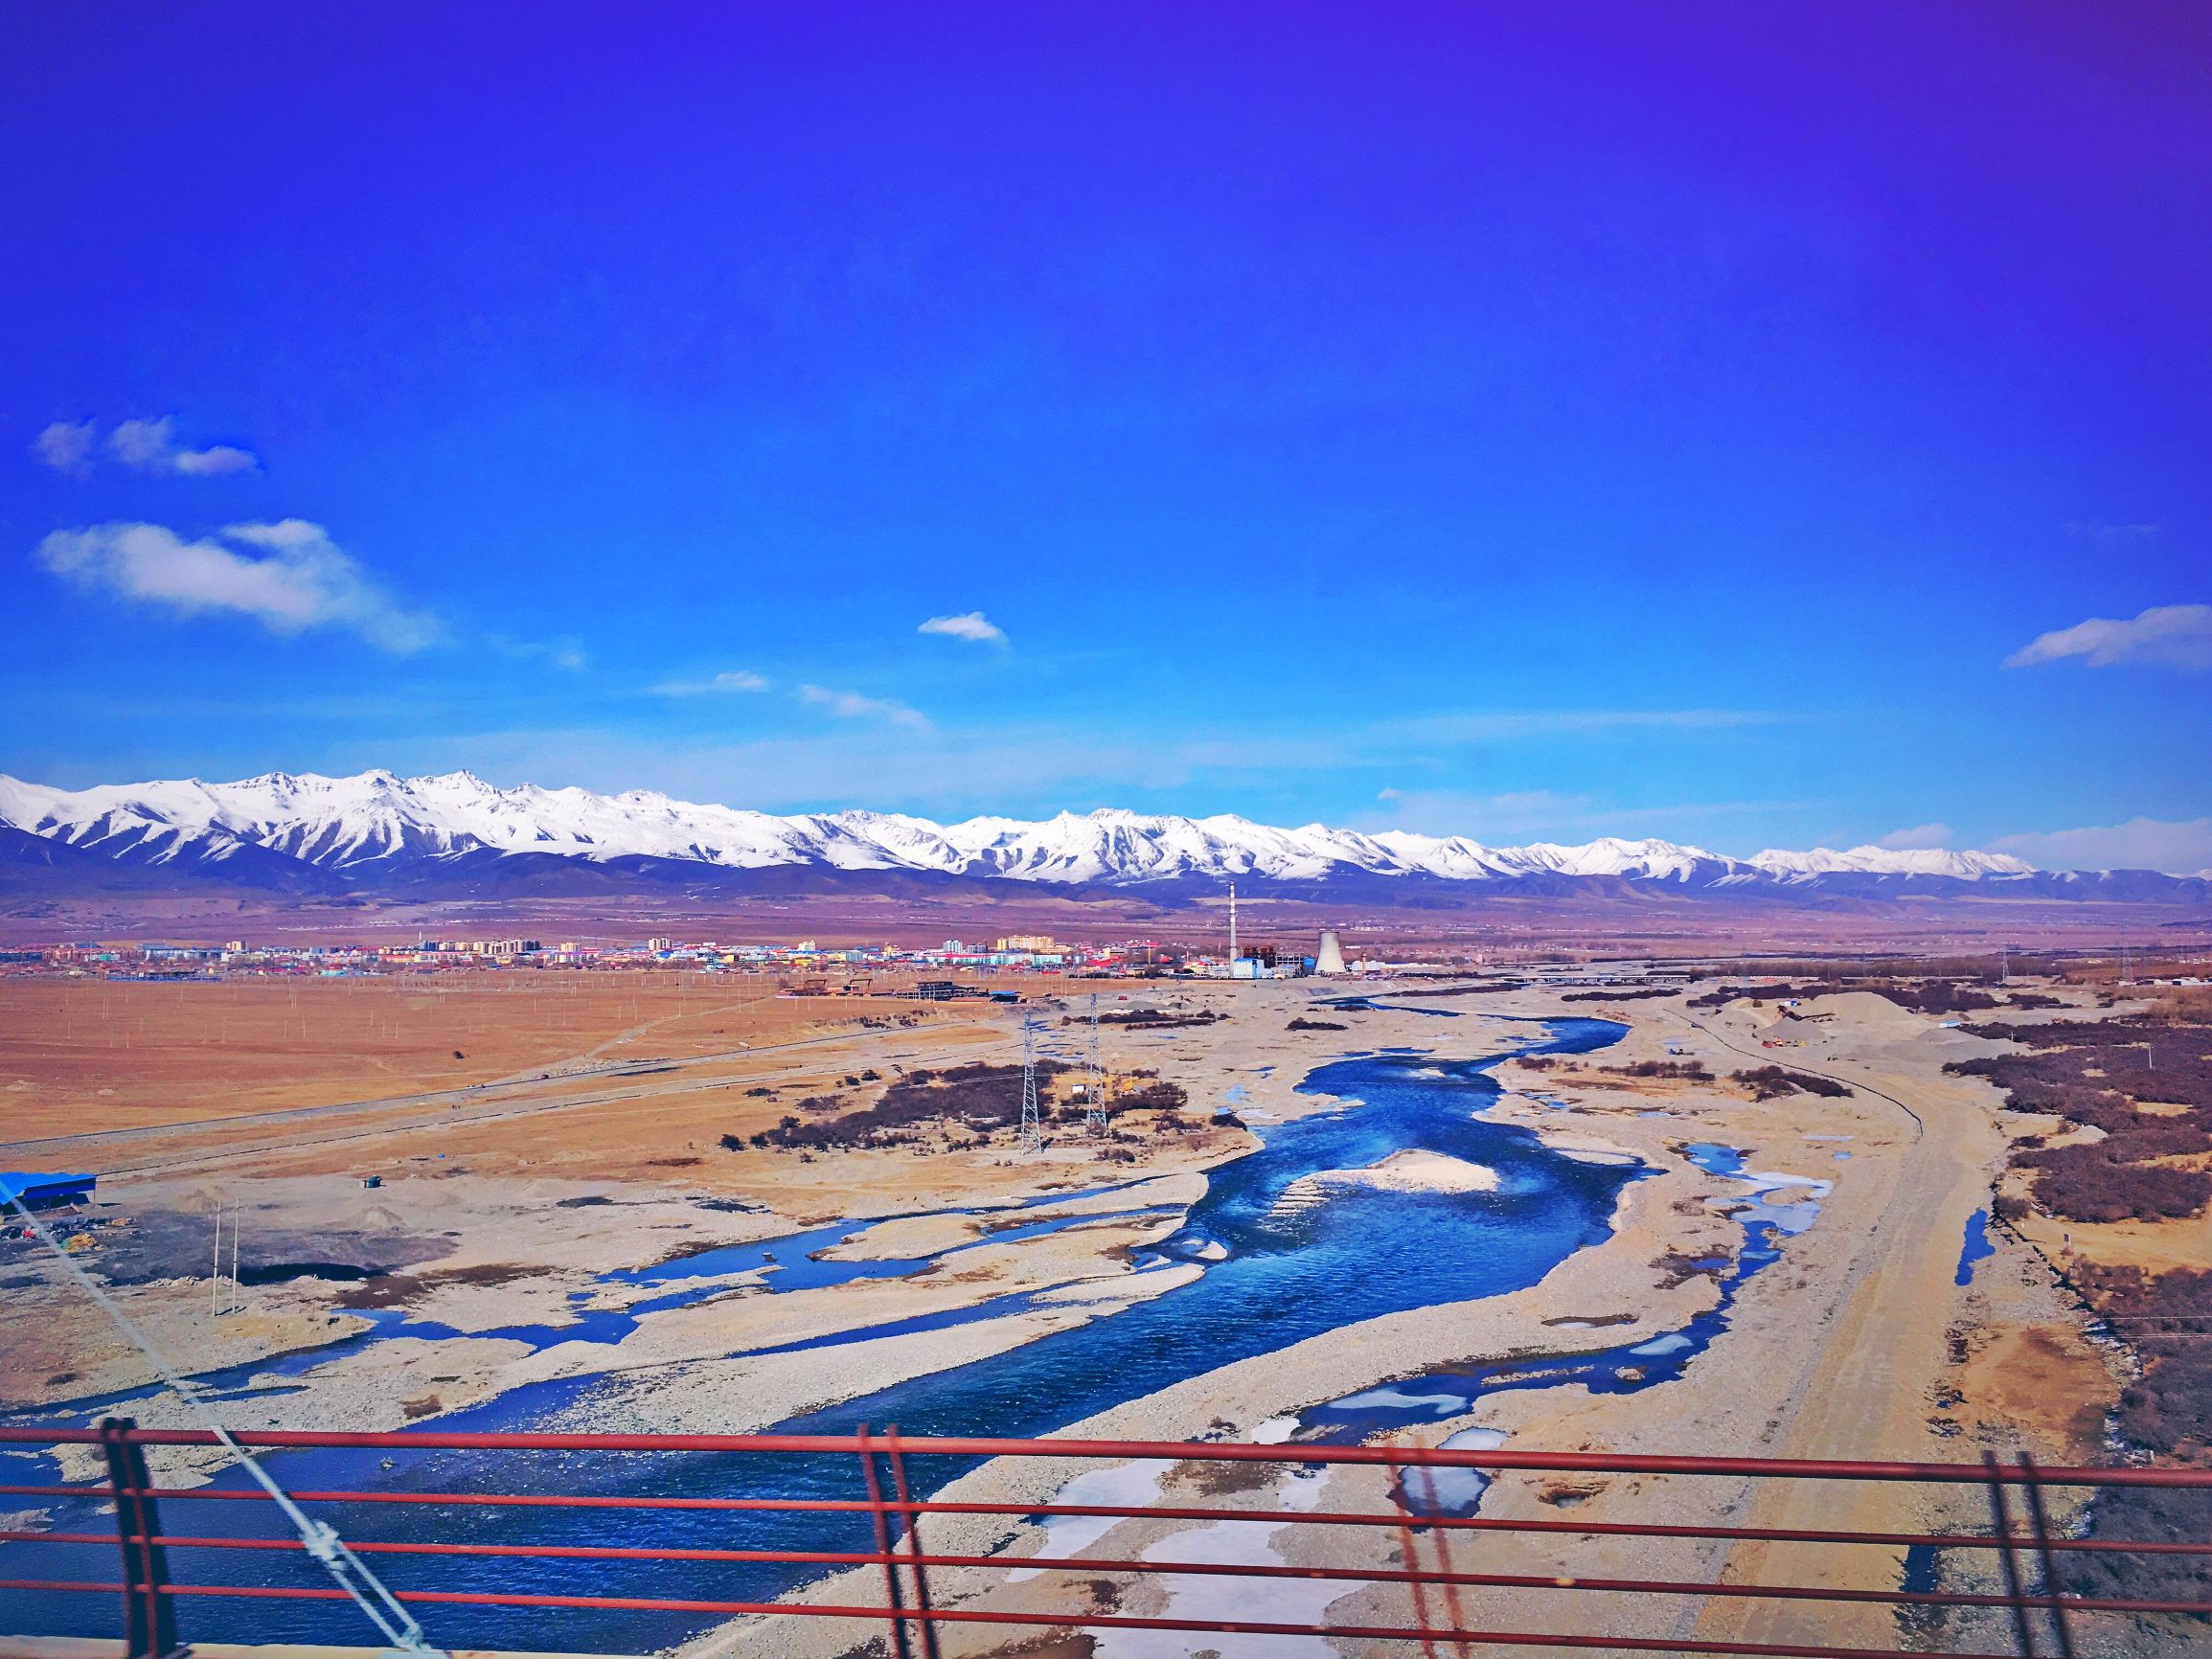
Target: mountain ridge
x=376, y=829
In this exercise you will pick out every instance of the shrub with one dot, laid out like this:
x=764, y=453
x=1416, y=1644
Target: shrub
x=1772, y=1083
x=2093, y=1184
x=1691, y=1071
x=978, y=1098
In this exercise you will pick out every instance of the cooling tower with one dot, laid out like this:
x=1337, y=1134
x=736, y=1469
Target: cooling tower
x=1330, y=958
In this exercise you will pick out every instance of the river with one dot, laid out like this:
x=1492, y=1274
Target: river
x=1277, y=1271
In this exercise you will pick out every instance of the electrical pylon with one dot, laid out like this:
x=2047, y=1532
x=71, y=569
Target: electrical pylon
x=1094, y=1106
x=1032, y=1124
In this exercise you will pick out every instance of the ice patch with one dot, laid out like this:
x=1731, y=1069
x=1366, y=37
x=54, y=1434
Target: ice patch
x=1453, y=1491
x=1223, y=1598
x=1124, y=1486
x=1396, y=1398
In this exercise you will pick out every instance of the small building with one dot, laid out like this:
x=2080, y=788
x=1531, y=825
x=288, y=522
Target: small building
x=35, y=1190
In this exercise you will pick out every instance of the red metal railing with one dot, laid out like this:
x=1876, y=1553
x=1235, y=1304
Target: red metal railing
x=1441, y=1591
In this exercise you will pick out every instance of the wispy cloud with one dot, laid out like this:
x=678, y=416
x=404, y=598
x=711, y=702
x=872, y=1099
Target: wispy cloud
x=287, y=575
x=2176, y=636
x=2106, y=534
x=729, y=680
x=853, y=706
x=67, y=446
x=147, y=445
x=2182, y=848
x=1918, y=838
x=1472, y=813
x=563, y=653
x=151, y=447
x=972, y=625
x=1521, y=726
x=1519, y=814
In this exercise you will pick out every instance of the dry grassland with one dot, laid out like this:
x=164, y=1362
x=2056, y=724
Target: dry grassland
x=85, y=1054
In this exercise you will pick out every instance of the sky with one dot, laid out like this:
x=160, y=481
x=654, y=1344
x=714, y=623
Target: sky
x=1747, y=426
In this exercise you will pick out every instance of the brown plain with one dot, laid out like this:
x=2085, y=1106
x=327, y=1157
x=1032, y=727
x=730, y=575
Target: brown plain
x=84, y=1055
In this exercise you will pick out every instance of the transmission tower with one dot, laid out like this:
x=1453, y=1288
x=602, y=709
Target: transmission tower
x=1094, y=1113
x=1031, y=1125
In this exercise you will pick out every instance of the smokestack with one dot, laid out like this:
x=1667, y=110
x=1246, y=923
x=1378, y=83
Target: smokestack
x=1330, y=958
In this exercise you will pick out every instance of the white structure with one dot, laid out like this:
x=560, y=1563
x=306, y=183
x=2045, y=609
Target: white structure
x=1330, y=958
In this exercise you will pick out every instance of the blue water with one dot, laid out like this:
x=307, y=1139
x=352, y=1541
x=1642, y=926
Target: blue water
x=1291, y=1271
x=1977, y=1248
x=1369, y=1005
x=790, y=1263
x=1620, y=1369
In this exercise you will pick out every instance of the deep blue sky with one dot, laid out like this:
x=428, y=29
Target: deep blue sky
x=1546, y=423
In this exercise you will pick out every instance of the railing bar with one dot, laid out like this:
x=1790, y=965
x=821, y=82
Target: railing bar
x=1457, y=1523
x=977, y=1615
x=2039, y=1523
x=952, y=1445
x=892, y=1602
x=1415, y=1581
x=1415, y=1576
x=2001, y=1526
x=1440, y=1543
x=150, y=1623
x=913, y=1538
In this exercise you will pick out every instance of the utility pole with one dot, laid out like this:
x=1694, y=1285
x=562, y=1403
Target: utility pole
x=1232, y=930
x=215, y=1273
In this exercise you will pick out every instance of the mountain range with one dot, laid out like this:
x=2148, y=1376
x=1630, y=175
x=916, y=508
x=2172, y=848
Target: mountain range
x=375, y=833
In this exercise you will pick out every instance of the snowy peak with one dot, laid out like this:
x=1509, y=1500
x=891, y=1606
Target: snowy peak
x=1888, y=861
x=374, y=824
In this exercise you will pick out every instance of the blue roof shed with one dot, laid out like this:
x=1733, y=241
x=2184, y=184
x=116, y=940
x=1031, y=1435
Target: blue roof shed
x=45, y=1191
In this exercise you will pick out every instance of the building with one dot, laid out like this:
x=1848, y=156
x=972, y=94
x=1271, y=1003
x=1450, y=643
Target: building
x=1330, y=958
x=35, y=1190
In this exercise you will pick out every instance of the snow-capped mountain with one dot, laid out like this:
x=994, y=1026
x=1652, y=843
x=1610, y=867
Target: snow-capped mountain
x=376, y=829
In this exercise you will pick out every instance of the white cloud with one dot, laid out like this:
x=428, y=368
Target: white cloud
x=288, y=576
x=973, y=626
x=2174, y=635
x=66, y=447
x=731, y=680
x=2180, y=848
x=853, y=706
x=1919, y=837
x=151, y=447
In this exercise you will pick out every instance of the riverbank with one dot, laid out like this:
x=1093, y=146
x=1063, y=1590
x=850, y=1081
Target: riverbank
x=537, y=1287
x=1856, y=1340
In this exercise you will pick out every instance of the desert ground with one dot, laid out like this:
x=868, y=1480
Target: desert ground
x=579, y=1136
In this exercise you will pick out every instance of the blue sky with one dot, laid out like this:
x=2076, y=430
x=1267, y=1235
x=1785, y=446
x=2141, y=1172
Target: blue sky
x=1525, y=424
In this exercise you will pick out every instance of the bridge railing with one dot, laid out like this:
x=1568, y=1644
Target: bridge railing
x=1414, y=1564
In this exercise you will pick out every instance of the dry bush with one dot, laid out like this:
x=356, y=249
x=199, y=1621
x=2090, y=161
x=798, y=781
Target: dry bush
x=1772, y=1083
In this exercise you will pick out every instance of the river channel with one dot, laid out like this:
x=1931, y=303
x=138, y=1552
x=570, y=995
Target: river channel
x=1279, y=1267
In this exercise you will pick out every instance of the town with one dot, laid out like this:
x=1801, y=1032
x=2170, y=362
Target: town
x=804, y=967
